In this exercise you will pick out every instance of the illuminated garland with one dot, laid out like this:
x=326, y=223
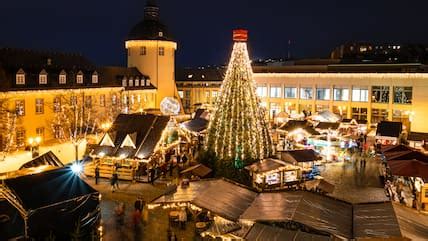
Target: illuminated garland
x=238, y=121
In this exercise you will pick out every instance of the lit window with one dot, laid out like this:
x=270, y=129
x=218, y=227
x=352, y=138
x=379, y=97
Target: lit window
x=137, y=81
x=88, y=101
x=79, y=77
x=95, y=78
x=207, y=95
x=181, y=94
x=131, y=82
x=274, y=109
x=306, y=93
x=57, y=104
x=73, y=100
x=262, y=91
x=124, y=82
x=290, y=92
x=39, y=106
x=341, y=94
x=143, y=50
x=102, y=100
x=114, y=100
x=40, y=132
x=323, y=93
x=20, y=107
x=275, y=92
x=143, y=82
x=148, y=82
x=161, y=51
x=360, y=94
x=20, y=77
x=380, y=94
x=20, y=137
x=62, y=77
x=43, y=77
x=403, y=95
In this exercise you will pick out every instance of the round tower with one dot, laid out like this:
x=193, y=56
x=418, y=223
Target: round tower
x=151, y=49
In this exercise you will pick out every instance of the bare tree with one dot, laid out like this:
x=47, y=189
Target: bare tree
x=8, y=123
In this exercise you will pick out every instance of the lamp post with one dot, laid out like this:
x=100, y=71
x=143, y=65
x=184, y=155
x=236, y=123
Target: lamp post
x=34, y=145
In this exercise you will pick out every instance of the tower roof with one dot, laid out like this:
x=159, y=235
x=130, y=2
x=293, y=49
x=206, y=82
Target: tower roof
x=150, y=28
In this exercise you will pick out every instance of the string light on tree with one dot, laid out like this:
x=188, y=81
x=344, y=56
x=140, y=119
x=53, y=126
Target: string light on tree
x=238, y=122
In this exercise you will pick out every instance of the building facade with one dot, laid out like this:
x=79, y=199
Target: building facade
x=395, y=92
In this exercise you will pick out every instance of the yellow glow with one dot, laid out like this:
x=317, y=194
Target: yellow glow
x=150, y=43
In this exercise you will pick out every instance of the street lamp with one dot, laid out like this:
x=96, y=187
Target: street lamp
x=34, y=145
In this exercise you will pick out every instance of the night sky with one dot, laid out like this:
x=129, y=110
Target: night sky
x=202, y=28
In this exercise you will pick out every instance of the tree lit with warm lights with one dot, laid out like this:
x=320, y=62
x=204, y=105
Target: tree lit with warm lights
x=237, y=128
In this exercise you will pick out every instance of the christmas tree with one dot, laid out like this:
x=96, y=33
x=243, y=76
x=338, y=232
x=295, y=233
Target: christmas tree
x=238, y=129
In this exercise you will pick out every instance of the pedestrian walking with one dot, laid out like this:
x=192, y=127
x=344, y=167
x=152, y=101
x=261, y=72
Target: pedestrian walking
x=116, y=179
x=182, y=218
x=112, y=182
x=97, y=174
x=152, y=176
x=139, y=204
x=136, y=223
x=119, y=212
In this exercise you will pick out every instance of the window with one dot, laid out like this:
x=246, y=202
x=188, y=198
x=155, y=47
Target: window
x=143, y=82
x=143, y=50
x=320, y=108
x=20, y=107
x=73, y=100
x=340, y=110
x=20, y=137
x=181, y=94
x=131, y=82
x=58, y=132
x=40, y=106
x=402, y=116
x=379, y=115
x=57, y=104
x=161, y=51
x=137, y=81
x=95, y=78
x=403, y=95
x=359, y=113
x=147, y=82
x=261, y=91
x=274, y=109
x=88, y=101
x=43, y=77
x=360, y=94
x=103, y=100
x=341, y=94
x=275, y=92
x=20, y=77
x=290, y=92
x=79, y=78
x=62, y=77
x=306, y=93
x=124, y=82
x=323, y=94
x=380, y=94
x=40, y=131
x=114, y=100
x=207, y=95
x=214, y=94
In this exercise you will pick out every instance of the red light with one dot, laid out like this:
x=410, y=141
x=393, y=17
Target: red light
x=240, y=35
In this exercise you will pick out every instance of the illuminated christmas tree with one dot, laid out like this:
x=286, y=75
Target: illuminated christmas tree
x=238, y=129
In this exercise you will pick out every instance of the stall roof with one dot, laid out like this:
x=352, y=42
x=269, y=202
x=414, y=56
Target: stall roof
x=408, y=168
x=407, y=155
x=196, y=125
x=326, y=116
x=417, y=136
x=306, y=155
x=47, y=159
x=389, y=128
x=199, y=170
x=226, y=199
x=266, y=165
x=328, y=125
x=262, y=232
x=395, y=148
x=318, y=212
x=292, y=125
x=46, y=188
x=375, y=220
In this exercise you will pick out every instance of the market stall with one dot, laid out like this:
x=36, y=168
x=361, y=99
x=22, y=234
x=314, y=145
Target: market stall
x=306, y=159
x=270, y=174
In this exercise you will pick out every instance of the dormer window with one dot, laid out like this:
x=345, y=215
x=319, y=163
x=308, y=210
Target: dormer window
x=62, y=77
x=124, y=82
x=43, y=77
x=20, y=77
x=95, y=78
x=143, y=81
x=79, y=77
x=131, y=82
x=147, y=82
x=143, y=50
x=137, y=81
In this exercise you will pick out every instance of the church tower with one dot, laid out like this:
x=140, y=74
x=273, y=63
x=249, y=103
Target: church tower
x=151, y=49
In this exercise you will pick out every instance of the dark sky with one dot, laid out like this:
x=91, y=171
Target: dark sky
x=202, y=28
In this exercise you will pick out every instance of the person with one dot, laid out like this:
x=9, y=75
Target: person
x=116, y=179
x=170, y=168
x=97, y=174
x=120, y=214
x=184, y=159
x=112, y=182
x=152, y=175
x=182, y=218
x=139, y=204
x=136, y=222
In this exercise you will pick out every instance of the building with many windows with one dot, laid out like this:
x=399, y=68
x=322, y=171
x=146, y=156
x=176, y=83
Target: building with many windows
x=372, y=92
